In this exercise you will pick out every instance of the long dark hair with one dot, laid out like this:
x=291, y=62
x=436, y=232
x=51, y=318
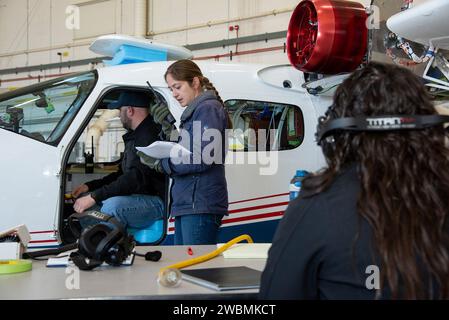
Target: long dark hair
x=187, y=70
x=404, y=179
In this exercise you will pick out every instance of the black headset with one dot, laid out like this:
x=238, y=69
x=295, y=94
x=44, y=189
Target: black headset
x=101, y=242
x=329, y=124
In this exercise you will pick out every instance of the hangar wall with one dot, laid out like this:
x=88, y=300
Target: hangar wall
x=43, y=32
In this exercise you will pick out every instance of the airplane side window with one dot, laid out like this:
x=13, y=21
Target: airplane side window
x=103, y=135
x=44, y=111
x=260, y=125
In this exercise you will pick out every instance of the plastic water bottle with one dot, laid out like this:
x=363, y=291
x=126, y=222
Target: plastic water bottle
x=296, y=183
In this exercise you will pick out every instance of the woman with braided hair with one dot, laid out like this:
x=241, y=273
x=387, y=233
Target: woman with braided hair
x=199, y=192
x=374, y=223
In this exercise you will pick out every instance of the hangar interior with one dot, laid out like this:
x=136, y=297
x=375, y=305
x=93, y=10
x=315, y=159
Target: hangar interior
x=48, y=72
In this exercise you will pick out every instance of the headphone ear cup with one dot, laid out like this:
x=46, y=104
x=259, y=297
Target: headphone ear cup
x=115, y=255
x=121, y=250
x=103, y=248
x=328, y=146
x=91, y=237
x=327, y=143
x=319, y=127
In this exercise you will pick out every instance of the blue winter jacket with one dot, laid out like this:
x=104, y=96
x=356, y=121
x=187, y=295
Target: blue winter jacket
x=199, y=186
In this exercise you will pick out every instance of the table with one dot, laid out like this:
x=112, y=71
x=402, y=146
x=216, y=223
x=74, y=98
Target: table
x=126, y=282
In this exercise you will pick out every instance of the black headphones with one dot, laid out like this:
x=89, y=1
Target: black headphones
x=329, y=124
x=101, y=242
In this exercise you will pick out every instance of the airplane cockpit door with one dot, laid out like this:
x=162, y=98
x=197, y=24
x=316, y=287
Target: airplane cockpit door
x=101, y=134
x=33, y=120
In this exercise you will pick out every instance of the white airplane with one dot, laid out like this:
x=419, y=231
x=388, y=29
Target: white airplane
x=46, y=128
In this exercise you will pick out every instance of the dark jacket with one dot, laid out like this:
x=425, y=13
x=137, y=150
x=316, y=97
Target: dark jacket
x=200, y=187
x=133, y=176
x=314, y=255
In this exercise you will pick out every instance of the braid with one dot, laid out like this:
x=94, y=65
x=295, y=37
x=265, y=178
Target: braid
x=209, y=86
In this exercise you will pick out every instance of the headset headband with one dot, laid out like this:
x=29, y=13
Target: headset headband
x=96, y=215
x=379, y=123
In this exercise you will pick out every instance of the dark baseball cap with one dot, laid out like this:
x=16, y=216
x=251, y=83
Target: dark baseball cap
x=132, y=99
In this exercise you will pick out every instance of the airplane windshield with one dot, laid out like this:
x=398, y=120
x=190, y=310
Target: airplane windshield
x=44, y=111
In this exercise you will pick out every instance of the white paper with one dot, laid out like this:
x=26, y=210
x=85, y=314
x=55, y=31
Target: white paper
x=246, y=251
x=59, y=262
x=165, y=149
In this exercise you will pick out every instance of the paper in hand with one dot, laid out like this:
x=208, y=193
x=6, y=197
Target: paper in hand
x=165, y=149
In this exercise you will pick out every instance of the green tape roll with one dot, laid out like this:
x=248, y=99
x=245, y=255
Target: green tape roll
x=15, y=266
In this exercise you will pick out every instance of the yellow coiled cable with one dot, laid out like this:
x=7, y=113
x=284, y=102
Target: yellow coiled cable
x=171, y=277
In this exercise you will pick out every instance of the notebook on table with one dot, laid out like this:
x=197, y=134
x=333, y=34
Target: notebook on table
x=226, y=278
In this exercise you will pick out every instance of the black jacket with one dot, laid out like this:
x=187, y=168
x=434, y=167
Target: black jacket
x=133, y=176
x=313, y=254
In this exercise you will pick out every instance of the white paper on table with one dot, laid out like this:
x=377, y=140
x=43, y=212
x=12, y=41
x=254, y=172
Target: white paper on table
x=165, y=149
x=246, y=251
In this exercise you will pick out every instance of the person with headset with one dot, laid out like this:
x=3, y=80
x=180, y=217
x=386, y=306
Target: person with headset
x=199, y=191
x=135, y=194
x=374, y=223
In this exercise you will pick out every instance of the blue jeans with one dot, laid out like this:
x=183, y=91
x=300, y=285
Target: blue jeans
x=195, y=229
x=133, y=211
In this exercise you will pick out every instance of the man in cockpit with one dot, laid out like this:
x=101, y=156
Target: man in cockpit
x=135, y=194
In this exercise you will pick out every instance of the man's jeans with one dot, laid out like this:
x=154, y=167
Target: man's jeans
x=133, y=211
x=195, y=229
